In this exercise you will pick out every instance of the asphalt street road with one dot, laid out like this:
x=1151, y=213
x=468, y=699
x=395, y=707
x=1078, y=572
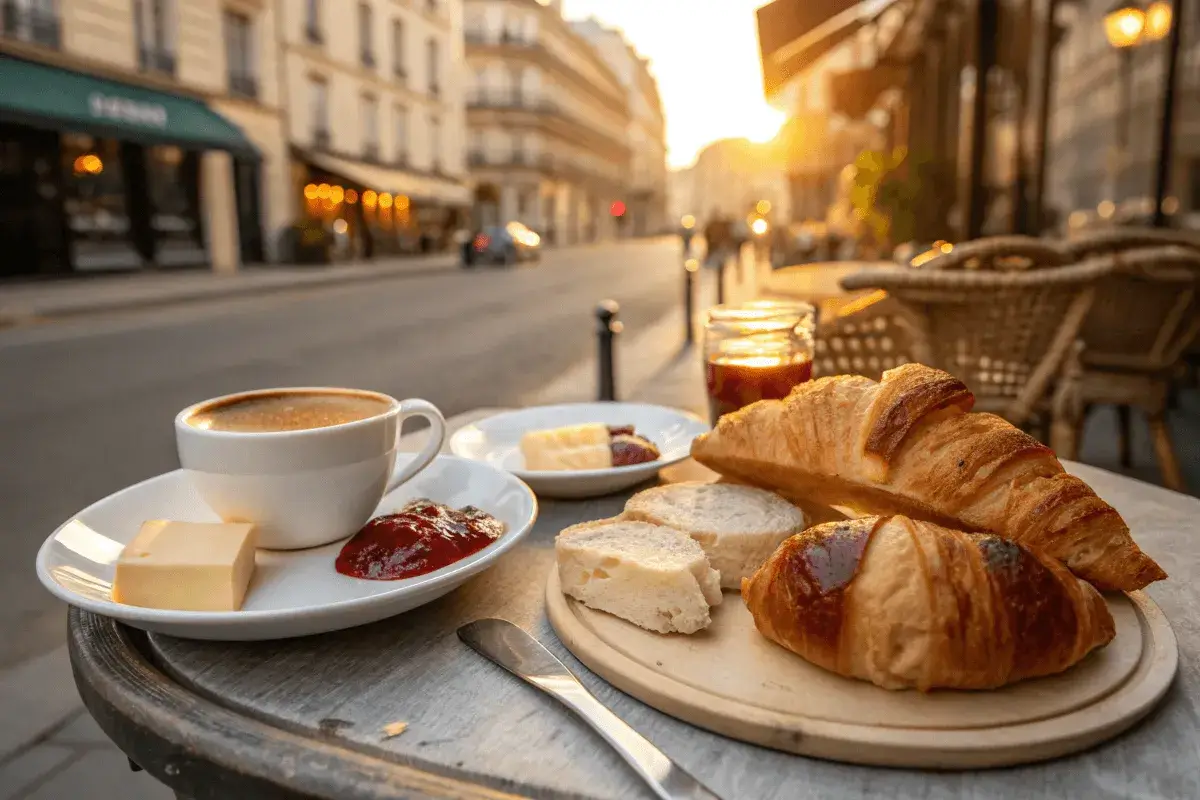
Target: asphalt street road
x=86, y=405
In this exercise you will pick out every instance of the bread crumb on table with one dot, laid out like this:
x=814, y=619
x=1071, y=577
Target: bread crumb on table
x=394, y=729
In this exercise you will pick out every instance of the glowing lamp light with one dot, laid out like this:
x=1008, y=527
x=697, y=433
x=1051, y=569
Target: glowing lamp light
x=692, y=265
x=402, y=202
x=763, y=207
x=1106, y=209
x=946, y=247
x=1158, y=20
x=617, y=209
x=340, y=226
x=337, y=194
x=369, y=198
x=323, y=191
x=311, y=192
x=758, y=226
x=351, y=196
x=385, y=200
x=688, y=222
x=1123, y=25
x=1170, y=205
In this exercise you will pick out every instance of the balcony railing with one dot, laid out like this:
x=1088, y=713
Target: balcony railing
x=509, y=98
x=156, y=59
x=30, y=24
x=241, y=85
x=321, y=139
x=517, y=158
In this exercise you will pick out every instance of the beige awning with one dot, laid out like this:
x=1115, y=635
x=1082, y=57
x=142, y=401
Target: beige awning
x=444, y=191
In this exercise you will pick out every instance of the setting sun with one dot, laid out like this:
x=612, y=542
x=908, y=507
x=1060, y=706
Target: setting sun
x=705, y=57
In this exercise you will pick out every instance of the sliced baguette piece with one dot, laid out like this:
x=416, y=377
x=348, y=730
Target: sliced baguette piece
x=738, y=526
x=655, y=577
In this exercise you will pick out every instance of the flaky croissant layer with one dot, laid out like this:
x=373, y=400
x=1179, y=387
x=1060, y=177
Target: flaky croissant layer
x=909, y=445
x=908, y=604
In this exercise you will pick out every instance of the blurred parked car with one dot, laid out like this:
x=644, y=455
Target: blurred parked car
x=507, y=244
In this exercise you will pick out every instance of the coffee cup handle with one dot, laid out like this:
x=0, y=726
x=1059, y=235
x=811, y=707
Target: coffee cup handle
x=437, y=437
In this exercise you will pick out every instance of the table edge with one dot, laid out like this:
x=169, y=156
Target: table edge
x=158, y=724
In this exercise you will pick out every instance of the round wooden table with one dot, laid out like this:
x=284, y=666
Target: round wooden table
x=307, y=717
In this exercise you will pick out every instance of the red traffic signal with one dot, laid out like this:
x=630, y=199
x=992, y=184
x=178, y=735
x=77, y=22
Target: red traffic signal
x=617, y=209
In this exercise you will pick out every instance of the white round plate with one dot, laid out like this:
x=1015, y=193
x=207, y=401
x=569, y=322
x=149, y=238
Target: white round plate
x=496, y=440
x=292, y=593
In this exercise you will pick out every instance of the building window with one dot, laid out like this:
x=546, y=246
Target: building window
x=398, y=49
x=432, y=59
x=365, y=29
x=31, y=21
x=239, y=55
x=154, y=23
x=370, y=124
x=401, y=114
x=312, y=21
x=518, y=148
x=319, y=96
x=435, y=143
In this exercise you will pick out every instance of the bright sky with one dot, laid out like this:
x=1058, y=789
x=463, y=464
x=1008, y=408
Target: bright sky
x=705, y=56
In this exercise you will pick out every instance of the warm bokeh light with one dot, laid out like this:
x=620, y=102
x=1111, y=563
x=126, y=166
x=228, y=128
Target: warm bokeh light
x=369, y=198
x=763, y=207
x=323, y=191
x=617, y=209
x=1123, y=25
x=692, y=265
x=1106, y=209
x=340, y=226
x=310, y=191
x=1077, y=219
x=351, y=196
x=946, y=247
x=1170, y=205
x=688, y=221
x=1158, y=20
x=402, y=202
x=337, y=194
x=758, y=226
x=385, y=200
x=89, y=164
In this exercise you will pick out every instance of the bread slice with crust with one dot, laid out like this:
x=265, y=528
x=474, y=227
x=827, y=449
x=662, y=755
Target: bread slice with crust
x=655, y=577
x=738, y=526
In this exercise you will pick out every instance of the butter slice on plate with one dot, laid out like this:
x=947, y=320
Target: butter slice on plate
x=572, y=447
x=186, y=566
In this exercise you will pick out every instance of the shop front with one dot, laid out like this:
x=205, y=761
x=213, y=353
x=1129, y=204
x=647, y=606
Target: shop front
x=99, y=175
x=364, y=211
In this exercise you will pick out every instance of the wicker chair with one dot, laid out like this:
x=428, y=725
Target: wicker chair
x=867, y=336
x=1145, y=317
x=1003, y=314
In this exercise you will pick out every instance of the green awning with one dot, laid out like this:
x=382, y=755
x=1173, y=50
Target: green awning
x=60, y=99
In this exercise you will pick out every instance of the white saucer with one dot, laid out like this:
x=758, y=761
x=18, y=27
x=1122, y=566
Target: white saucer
x=496, y=440
x=293, y=593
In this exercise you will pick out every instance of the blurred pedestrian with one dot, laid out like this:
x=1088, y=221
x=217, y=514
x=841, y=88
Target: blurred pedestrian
x=716, y=237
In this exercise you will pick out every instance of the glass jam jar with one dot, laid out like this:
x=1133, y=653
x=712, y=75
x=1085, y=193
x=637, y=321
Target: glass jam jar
x=756, y=351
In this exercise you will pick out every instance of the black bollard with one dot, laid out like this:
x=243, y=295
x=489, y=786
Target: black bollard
x=721, y=279
x=690, y=267
x=607, y=328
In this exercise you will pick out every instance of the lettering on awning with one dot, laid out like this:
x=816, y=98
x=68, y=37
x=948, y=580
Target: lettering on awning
x=122, y=109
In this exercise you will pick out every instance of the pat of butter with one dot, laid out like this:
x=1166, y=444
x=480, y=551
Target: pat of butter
x=186, y=566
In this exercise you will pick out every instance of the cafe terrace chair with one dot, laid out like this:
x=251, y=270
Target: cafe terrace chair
x=1145, y=317
x=1003, y=314
x=866, y=335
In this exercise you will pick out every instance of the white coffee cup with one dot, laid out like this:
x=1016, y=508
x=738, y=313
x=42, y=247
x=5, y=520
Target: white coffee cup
x=308, y=487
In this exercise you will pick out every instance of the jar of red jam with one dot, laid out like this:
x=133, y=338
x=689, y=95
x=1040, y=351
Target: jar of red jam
x=756, y=351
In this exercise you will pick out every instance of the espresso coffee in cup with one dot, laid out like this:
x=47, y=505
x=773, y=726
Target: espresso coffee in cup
x=287, y=411
x=307, y=466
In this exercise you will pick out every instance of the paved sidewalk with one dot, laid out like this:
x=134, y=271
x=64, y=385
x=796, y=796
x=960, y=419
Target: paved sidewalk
x=22, y=303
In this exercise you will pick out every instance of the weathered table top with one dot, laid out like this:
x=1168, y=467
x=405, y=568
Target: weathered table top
x=305, y=717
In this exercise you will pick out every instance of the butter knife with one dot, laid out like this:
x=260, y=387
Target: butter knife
x=509, y=646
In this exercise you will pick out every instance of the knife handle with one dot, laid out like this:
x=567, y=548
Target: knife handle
x=668, y=780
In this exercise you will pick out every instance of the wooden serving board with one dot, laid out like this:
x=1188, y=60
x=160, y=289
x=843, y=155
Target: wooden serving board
x=731, y=680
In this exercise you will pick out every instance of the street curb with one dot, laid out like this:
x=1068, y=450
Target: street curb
x=11, y=317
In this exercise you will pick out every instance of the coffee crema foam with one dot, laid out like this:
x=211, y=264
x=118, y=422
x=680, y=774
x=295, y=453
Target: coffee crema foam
x=287, y=411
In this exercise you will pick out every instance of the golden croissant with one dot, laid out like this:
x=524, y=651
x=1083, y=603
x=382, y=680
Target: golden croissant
x=907, y=445
x=912, y=604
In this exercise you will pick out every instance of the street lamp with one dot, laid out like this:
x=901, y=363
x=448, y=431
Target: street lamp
x=1126, y=26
